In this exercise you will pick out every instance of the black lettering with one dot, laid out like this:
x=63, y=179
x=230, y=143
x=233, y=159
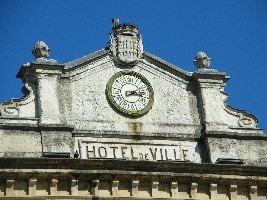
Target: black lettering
x=119, y=98
x=185, y=154
x=123, y=152
x=93, y=151
x=114, y=151
x=132, y=153
x=146, y=156
x=100, y=154
x=166, y=154
x=161, y=154
x=154, y=154
x=175, y=154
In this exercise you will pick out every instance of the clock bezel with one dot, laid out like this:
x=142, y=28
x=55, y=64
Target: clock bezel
x=117, y=106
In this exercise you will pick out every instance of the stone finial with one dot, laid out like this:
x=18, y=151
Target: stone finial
x=202, y=61
x=40, y=50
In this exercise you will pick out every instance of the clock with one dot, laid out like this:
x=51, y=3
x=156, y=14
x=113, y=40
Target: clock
x=130, y=93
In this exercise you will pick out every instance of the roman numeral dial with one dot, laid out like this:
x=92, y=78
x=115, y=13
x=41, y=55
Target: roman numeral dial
x=130, y=93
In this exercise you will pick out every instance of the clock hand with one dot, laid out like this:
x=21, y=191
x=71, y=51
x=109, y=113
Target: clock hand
x=140, y=88
x=139, y=93
x=130, y=92
x=136, y=91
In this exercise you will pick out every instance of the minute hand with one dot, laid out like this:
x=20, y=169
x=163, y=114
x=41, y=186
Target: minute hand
x=137, y=92
x=138, y=89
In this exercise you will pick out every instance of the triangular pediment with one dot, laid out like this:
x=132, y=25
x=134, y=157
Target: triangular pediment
x=175, y=101
x=162, y=65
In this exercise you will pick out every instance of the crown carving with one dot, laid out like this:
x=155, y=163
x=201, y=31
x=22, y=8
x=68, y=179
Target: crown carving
x=125, y=29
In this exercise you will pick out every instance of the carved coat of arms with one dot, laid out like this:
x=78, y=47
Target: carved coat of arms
x=126, y=44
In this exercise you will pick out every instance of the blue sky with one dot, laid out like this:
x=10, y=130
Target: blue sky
x=232, y=33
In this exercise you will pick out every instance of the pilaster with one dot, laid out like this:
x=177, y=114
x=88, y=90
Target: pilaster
x=253, y=192
x=211, y=85
x=10, y=186
x=154, y=186
x=174, y=189
x=32, y=186
x=193, y=190
x=47, y=91
x=53, y=187
x=46, y=74
x=73, y=186
x=233, y=192
x=213, y=191
x=135, y=184
x=94, y=188
x=115, y=186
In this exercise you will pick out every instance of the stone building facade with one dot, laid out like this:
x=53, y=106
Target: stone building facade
x=121, y=123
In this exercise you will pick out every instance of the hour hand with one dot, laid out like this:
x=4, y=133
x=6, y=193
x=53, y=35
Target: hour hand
x=136, y=92
x=130, y=92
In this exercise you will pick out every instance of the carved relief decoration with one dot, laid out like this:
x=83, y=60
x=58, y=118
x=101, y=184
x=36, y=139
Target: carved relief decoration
x=12, y=108
x=126, y=44
x=244, y=119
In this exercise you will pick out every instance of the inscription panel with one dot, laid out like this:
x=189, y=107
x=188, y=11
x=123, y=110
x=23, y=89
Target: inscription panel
x=176, y=151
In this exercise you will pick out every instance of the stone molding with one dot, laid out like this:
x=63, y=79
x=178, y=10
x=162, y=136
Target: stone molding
x=106, y=179
x=114, y=166
x=213, y=98
x=37, y=127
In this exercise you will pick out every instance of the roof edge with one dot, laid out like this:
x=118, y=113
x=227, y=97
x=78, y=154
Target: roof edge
x=105, y=51
x=86, y=58
x=164, y=62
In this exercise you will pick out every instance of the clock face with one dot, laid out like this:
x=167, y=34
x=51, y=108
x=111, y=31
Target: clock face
x=130, y=93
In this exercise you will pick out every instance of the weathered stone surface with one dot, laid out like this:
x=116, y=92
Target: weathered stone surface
x=132, y=149
x=160, y=154
x=126, y=44
x=40, y=50
x=251, y=151
x=17, y=143
x=79, y=179
x=217, y=115
x=186, y=106
x=202, y=61
x=57, y=141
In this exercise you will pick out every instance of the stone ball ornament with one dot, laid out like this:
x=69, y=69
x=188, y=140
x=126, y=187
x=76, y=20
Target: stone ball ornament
x=40, y=50
x=202, y=61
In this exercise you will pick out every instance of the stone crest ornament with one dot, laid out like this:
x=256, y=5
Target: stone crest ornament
x=40, y=50
x=125, y=43
x=202, y=61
